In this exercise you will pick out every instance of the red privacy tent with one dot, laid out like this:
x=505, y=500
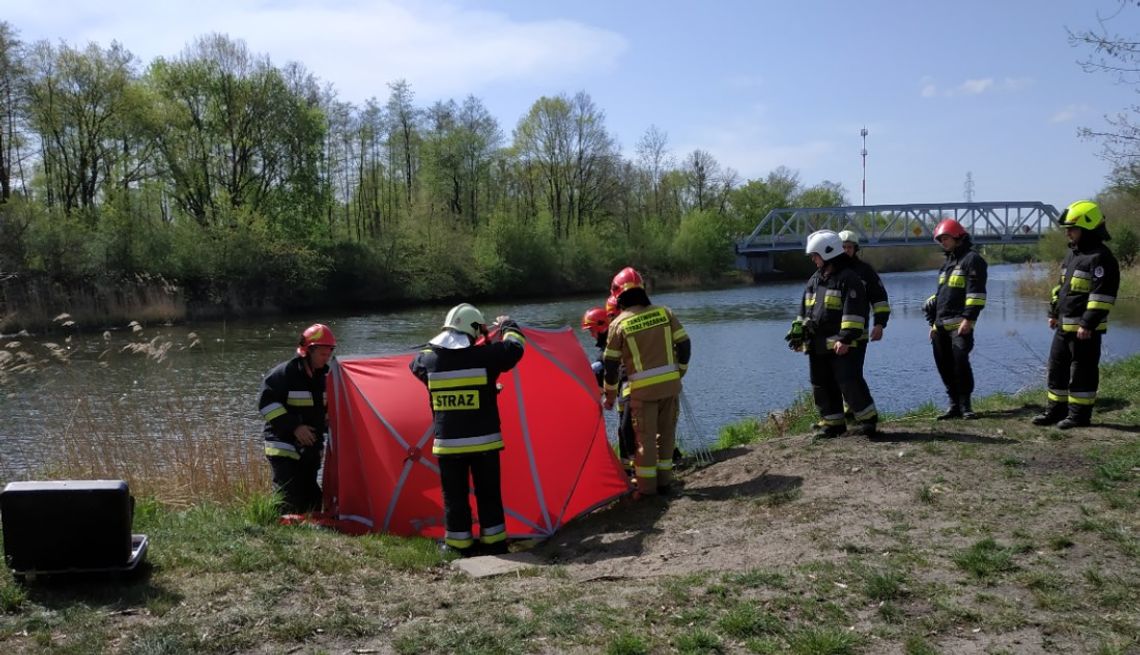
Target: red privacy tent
x=380, y=475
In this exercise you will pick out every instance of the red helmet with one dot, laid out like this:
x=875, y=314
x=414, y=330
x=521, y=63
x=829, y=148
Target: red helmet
x=626, y=279
x=596, y=321
x=317, y=334
x=611, y=308
x=949, y=227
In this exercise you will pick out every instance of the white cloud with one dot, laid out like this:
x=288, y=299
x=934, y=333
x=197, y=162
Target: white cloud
x=359, y=46
x=973, y=87
x=1068, y=113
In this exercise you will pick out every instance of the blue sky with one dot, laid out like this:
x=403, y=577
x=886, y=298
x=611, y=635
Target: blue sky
x=987, y=87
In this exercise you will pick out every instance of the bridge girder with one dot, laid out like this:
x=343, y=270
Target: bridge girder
x=900, y=225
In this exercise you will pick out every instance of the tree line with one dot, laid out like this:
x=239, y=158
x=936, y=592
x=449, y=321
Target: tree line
x=248, y=182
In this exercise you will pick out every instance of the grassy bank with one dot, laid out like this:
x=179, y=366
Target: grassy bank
x=982, y=536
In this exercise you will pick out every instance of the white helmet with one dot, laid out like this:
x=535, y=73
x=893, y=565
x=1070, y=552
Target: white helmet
x=847, y=236
x=824, y=243
x=464, y=318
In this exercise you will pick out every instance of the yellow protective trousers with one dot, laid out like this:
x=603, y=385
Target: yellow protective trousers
x=655, y=426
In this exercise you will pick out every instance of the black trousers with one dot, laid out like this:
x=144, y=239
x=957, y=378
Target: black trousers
x=1074, y=367
x=296, y=480
x=836, y=379
x=627, y=440
x=952, y=357
x=456, y=475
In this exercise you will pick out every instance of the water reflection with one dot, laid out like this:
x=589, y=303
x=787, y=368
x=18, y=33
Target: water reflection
x=740, y=368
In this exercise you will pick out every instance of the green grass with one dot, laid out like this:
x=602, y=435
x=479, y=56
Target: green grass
x=985, y=559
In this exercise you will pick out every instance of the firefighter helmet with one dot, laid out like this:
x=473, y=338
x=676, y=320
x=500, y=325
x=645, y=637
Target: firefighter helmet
x=596, y=321
x=824, y=243
x=847, y=236
x=317, y=334
x=466, y=319
x=626, y=279
x=949, y=227
x=612, y=308
x=1084, y=214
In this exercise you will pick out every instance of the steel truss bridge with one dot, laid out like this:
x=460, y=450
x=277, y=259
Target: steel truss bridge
x=786, y=230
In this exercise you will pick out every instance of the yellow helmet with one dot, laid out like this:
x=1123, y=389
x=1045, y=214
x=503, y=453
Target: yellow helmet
x=1084, y=214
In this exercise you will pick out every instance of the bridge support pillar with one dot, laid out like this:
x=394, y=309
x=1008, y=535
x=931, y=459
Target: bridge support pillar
x=758, y=264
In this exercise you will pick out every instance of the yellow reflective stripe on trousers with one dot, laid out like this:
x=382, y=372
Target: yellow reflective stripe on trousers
x=646, y=471
x=1058, y=395
x=833, y=419
x=493, y=534
x=1082, y=397
x=458, y=539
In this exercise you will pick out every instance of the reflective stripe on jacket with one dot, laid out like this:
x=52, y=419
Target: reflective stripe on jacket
x=290, y=398
x=961, y=287
x=835, y=301
x=461, y=384
x=652, y=347
x=1090, y=279
x=880, y=305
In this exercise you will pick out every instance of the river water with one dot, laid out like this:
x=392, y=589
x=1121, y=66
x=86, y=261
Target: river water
x=210, y=373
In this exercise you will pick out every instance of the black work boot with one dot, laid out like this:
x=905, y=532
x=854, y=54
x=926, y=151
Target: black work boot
x=967, y=410
x=1053, y=413
x=953, y=411
x=1079, y=417
x=828, y=431
x=865, y=429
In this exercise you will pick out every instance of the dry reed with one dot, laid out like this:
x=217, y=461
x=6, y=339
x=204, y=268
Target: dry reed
x=171, y=451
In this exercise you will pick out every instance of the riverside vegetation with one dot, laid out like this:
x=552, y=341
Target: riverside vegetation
x=981, y=536
x=131, y=191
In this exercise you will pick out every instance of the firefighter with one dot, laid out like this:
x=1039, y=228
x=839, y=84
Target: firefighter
x=880, y=305
x=1086, y=294
x=953, y=311
x=651, y=345
x=292, y=402
x=832, y=319
x=461, y=375
x=597, y=322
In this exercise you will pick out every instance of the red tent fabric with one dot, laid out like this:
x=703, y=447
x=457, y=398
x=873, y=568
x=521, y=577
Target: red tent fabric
x=380, y=474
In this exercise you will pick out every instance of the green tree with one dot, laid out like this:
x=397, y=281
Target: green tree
x=12, y=106
x=234, y=135
x=77, y=101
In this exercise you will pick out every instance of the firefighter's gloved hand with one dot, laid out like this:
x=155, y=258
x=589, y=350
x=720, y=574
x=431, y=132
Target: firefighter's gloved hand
x=795, y=335
x=1054, y=298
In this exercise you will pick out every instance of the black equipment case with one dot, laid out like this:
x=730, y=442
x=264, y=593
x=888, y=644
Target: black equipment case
x=69, y=526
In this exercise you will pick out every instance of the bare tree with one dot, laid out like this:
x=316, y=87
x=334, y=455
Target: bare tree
x=1117, y=55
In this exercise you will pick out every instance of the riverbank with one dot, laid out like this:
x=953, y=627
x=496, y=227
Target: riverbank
x=965, y=537
x=37, y=304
